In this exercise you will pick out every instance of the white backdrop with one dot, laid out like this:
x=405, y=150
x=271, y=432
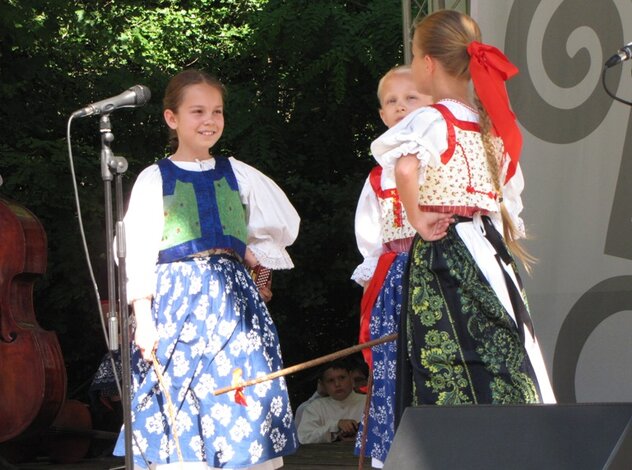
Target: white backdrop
x=577, y=160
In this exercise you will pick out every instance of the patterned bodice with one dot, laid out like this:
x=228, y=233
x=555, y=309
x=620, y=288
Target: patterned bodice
x=462, y=184
x=395, y=224
x=202, y=211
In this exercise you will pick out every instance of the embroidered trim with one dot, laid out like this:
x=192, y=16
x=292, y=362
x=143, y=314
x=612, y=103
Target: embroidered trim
x=281, y=261
x=451, y=121
x=374, y=178
x=465, y=105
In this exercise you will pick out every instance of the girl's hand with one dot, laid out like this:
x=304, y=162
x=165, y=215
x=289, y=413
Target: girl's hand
x=432, y=226
x=146, y=335
x=266, y=293
x=146, y=338
x=250, y=260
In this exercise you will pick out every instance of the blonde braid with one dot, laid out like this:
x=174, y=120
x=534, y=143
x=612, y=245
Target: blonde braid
x=509, y=229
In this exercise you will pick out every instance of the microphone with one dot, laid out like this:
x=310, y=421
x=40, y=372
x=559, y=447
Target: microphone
x=622, y=54
x=136, y=96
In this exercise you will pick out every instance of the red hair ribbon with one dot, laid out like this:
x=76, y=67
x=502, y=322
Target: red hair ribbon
x=489, y=69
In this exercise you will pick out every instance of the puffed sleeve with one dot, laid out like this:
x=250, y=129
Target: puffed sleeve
x=422, y=133
x=368, y=232
x=143, y=231
x=272, y=220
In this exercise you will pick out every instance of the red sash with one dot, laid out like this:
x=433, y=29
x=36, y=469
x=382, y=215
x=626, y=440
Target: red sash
x=368, y=301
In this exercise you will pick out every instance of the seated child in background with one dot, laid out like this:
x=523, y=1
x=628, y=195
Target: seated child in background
x=319, y=393
x=336, y=416
x=359, y=372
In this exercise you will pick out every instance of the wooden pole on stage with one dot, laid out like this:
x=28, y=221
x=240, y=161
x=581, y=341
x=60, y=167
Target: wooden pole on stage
x=309, y=364
x=365, y=419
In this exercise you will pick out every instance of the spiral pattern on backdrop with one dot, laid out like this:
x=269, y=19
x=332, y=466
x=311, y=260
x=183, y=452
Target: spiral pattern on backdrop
x=560, y=52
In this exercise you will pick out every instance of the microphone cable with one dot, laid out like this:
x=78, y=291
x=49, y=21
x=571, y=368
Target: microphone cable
x=82, y=233
x=95, y=286
x=605, y=87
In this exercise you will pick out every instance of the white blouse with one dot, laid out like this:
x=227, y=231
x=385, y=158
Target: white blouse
x=272, y=222
x=424, y=133
x=368, y=232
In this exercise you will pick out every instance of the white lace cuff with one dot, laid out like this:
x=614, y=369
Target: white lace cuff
x=364, y=272
x=274, y=259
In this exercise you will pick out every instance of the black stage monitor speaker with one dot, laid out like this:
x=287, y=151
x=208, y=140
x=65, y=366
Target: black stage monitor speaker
x=590, y=436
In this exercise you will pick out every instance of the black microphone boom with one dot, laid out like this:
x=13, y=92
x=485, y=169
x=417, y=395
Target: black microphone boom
x=622, y=54
x=136, y=96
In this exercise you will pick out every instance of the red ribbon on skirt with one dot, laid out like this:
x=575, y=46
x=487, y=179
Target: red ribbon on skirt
x=369, y=298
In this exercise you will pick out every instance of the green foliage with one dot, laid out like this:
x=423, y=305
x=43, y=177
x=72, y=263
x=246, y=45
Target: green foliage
x=301, y=78
x=305, y=114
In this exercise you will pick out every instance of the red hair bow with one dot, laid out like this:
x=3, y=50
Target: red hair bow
x=490, y=69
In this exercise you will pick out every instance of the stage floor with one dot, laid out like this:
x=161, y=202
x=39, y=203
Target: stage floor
x=337, y=455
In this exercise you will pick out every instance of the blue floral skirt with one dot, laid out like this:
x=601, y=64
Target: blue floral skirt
x=212, y=325
x=385, y=317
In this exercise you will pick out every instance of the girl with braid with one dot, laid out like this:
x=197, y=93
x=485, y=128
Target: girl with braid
x=466, y=335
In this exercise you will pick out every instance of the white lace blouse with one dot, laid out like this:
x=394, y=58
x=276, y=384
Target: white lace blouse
x=368, y=232
x=272, y=222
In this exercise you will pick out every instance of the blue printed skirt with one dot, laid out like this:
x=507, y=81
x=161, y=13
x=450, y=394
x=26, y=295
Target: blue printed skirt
x=211, y=323
x=384, y=321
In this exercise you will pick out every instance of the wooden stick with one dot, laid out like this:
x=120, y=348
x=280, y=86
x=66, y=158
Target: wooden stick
x=309, y=364
x=365, y=419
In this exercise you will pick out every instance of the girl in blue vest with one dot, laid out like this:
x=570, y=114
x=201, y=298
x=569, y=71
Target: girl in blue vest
x=196, y=225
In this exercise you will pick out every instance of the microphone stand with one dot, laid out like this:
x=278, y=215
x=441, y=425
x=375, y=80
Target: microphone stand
x=119, y=165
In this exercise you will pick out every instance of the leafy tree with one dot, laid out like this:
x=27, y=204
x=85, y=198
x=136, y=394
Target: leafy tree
x=305, y=113
x=301, y=77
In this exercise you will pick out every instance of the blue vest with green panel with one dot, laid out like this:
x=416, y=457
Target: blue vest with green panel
x=202, y=211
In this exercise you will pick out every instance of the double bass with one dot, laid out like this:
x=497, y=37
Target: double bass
x=32, y=370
